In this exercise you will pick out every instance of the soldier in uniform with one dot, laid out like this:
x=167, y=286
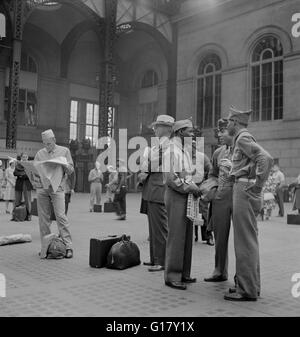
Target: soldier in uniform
x=222, y=203
x=251, y=166
x=154, y=189
x=179, y=184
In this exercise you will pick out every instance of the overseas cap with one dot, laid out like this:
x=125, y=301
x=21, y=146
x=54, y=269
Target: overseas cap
x=240, y=116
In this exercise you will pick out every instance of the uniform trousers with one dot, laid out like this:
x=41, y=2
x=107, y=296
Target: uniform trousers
x=246, y=207
x=158, y=229
x=44, y=199
x=220, y=221
x=180, y=237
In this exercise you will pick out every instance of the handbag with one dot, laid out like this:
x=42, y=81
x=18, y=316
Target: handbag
x=123, y=254
x=268, y=196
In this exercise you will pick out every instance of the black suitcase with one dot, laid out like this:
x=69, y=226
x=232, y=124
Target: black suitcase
x=293, y=219
x=99, y=249
x=109, y=207
x=98, y=208
x=34, y=210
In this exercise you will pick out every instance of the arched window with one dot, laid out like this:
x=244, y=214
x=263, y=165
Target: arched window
x=267, y=80
x=209, y=91
x=28, y=63
x=150, y=79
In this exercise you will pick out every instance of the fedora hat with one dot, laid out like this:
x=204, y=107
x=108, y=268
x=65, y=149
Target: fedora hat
x=163, y=120
x=184, y=123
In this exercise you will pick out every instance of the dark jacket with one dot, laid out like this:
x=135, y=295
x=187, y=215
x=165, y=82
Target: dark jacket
x=22, y=178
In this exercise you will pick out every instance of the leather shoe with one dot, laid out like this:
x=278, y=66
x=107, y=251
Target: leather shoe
x=233, y=290
x=215, y=279
x=156, y=267
x=210, y=242
x=176, y=285
x=189, y=280
x=69, y=254
x=236, y=297
x=148, y=264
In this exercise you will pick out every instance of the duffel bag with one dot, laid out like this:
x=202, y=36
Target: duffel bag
x=123, y=254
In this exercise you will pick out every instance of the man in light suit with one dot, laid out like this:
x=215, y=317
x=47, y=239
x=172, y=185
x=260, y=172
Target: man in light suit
x=153, y=193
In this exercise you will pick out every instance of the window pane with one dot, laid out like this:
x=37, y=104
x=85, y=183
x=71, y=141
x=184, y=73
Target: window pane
x=31, y=65
x=267, y=54
x=21, y=113
x=200, y=102
x=278, y=90
x=217, y=100
x=208, y=101
x=22, y=95
x=31, y=97
x=212, y=59
x=96, y=114
x=95, y=135
x=266, y=112
x=89, y=113
x=150, y=79
x=30, y=114
x=73, y=131
x=89, y=131
x=255, y=92
x=73, y=112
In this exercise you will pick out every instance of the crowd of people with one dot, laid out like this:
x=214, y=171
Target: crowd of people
x=237, y=185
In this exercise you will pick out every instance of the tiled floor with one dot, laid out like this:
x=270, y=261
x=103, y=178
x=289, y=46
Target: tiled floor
x=71, y=288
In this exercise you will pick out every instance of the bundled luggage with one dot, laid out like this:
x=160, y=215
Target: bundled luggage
x=53, y=247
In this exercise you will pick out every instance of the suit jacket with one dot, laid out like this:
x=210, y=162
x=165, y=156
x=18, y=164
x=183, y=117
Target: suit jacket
x=154, y=188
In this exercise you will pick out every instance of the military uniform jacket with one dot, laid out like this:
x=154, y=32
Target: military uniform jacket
x=249, y=159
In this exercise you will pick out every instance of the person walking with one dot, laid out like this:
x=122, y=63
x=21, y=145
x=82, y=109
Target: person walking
x=279, y=181
x=96, y=179
x=47, y=196
x=221, y=205
x=9, y=193
x=23, y=186
x=179, y=185
x=154, y=185
x=251, y=165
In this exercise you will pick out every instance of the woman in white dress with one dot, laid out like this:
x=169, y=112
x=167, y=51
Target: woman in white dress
x=9, y=193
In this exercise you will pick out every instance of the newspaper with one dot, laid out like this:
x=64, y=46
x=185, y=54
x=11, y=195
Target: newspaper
x=47, y=172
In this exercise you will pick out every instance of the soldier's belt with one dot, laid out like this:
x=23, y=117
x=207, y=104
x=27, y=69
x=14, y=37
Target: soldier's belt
x=245, y=180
